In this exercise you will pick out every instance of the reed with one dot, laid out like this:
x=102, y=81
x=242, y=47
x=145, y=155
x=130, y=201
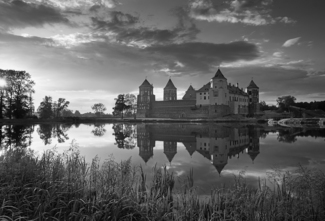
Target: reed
x=64, y=186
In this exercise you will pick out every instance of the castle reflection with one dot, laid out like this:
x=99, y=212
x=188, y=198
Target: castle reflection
x=214, y=142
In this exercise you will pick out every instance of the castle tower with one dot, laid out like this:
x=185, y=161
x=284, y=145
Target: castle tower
x=219, y=89
x=145, y=142
x=190, y=94
x=145, y=98
x=170, y=149
x=170, y=91
x=253, y=103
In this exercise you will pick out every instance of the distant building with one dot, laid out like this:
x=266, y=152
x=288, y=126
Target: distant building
x=214, y=99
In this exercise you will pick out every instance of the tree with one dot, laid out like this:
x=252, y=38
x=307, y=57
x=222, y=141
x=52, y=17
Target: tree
x=18, y=93
x=120, y=105
x=98, y=109
x=67, y=113
x=77, y=113
x=285, y=101
x=45, y=109
x=130, y=100
x=59, y=106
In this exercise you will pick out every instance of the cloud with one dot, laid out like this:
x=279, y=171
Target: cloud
x=291, y=42
x=249, y=12
x=126, y=29
x=199, y=57
x=78, y=4
x=19, y=14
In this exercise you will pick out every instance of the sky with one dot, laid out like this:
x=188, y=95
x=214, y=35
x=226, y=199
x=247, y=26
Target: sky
x=89, y=51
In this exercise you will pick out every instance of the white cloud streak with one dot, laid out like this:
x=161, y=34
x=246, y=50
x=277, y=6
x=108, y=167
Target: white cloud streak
x=291, y=42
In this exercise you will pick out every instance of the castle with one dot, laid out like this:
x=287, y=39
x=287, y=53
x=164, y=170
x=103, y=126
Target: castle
x=215, y=99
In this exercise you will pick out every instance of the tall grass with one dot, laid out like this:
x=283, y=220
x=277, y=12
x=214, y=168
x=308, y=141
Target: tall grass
x=64, y=187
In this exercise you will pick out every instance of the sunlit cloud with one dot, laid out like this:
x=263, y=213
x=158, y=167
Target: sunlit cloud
x=291, y=42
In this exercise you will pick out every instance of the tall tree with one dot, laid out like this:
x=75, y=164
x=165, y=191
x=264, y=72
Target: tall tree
x=18, y=91
x=45, y=108
x=285, y=101
x=120, y=105
x=60, y=106
x=98, y=109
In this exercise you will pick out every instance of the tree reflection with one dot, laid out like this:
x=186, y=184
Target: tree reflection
x=124, y=135
x=99, y=130
x=58, y=131
x=287, y=136
x=16, y=136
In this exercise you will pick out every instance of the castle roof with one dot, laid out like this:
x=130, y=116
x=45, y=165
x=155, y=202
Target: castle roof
x=170, y=156
x=253, y=155
x=170, y=85
x=252, y=85
x=190, y=147
x=235, y=90
x=145, y=156
x=189, y=94
x=205, y=88
x=219, y=75
x=220, y=167
x=146, y=84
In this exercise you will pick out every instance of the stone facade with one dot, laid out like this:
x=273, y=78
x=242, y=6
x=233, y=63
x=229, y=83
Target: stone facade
x=214, y=100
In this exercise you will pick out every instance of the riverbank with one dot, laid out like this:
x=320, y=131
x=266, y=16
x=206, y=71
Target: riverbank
x=64, y=187
x=130, y=120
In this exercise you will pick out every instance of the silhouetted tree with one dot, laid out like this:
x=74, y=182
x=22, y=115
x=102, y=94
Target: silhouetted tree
x=18, y=91
x=120, y=105
x=45, y=108
x=60, y=106
x=77, y=113
x=285, y=101
x=98, y=109
x=67, y=113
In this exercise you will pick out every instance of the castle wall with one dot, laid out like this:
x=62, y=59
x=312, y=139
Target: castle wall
x=186, y=109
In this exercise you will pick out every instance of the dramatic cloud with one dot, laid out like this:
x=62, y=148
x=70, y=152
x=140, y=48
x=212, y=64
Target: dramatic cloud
x=198, y=57
x=291, y=42
x=126, y=29
x=19, y=14
x=78, y=4
x=250, y=12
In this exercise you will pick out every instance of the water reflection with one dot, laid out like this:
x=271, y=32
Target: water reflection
x=215, y=143
x=57, y=131
x=99, y=130
x=14, y=136
x=125, y=135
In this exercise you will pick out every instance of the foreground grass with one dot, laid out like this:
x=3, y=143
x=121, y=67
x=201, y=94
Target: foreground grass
x=64, y=187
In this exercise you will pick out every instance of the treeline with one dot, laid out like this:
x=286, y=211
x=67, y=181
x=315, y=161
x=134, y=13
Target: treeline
x=314, y=105
x=16, y=89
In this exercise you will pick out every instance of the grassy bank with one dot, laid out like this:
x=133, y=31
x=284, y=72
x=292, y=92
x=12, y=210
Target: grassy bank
x=64, y=187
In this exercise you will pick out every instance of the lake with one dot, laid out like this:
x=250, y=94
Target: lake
x=215, y=152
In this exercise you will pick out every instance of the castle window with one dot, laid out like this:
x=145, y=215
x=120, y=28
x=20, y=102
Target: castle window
x=250, y=99
x=205, y=97
x=200, y=93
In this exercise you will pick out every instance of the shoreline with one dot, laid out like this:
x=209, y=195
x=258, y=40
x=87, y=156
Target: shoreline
x=125, y=120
